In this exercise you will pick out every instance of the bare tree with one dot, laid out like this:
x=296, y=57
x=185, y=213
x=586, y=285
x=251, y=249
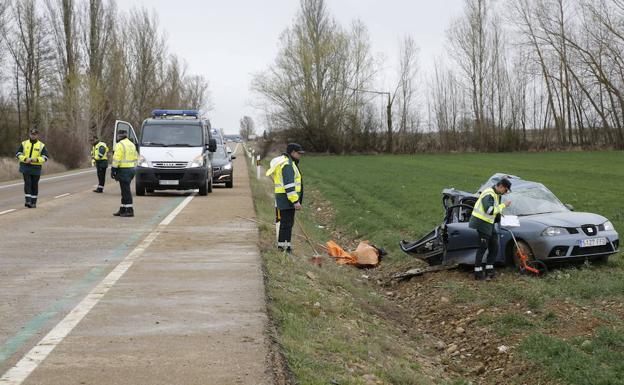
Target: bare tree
x=247, y=127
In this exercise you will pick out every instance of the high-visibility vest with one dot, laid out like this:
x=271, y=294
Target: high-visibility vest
x=125, y=154
x=479, y=211
x=32, y=151
x=95, y=151
x=277, y=164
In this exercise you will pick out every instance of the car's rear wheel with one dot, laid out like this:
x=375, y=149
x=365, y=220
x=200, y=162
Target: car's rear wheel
x=203, y=189
x=533, y=265
x=230, y=184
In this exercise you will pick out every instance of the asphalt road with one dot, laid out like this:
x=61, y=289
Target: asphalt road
x=172, y=296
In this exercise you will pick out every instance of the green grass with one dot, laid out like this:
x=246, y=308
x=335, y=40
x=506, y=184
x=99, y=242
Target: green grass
x=332, y=328
x=389, y=198
x=386, y=198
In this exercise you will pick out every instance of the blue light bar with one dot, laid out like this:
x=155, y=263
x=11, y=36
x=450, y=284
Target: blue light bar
x=167, y=113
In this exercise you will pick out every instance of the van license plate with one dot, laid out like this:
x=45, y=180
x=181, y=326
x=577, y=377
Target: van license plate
x=593, y=242
x=170, y=182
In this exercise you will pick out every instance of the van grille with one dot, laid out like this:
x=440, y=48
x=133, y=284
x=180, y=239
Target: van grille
x=169, y=165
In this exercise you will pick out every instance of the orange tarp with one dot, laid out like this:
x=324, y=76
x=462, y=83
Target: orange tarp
x=364, y=255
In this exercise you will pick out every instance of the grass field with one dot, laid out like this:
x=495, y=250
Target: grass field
x=569, y=325
x=341, y=325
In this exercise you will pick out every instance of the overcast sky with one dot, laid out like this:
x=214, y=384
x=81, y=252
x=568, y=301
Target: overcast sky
x=228, y=41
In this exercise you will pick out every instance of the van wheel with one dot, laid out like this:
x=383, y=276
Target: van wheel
x=210, y=186
x=140, y=189
x=203, y=191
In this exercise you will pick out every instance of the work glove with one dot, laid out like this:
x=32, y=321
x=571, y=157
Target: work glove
x=114, y=173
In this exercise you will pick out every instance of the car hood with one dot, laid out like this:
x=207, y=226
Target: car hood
x=170, y=154
x=566, y=219
x=219, y=162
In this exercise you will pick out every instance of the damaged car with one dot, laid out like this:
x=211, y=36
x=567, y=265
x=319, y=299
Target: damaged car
x=548, y=231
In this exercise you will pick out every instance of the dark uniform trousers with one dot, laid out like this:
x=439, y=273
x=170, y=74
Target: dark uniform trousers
x=101, y=174
x=287, y=221
x=489, y=243
x=31, y=187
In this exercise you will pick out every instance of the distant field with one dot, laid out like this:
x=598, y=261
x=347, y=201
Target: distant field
x=386, y=198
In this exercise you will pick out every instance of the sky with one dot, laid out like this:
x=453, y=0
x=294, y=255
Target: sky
x=228, y=41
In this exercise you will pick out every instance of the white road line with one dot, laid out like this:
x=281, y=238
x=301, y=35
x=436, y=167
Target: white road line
x=6, y=211
x=47, y=179
x=62, y=195
x=18, y=373
x=236, y=148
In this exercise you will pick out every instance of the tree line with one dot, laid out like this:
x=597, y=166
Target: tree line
x=518, y=75
x=72, y=67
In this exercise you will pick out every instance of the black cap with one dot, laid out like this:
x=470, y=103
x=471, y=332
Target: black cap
x=34, y=131
x=294, y=147
x=505, y=183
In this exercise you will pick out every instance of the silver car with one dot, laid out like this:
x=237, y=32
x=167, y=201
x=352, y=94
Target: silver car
x=549, y=230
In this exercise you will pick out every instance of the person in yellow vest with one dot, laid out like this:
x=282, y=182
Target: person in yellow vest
x=99, y=159
x=125, y=158
x=485, y=214
x=288, y=192
x=32, y=154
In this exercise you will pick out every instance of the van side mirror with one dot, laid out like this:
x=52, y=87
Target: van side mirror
x=212, y=145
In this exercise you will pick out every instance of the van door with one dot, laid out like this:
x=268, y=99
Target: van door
x=121, y=126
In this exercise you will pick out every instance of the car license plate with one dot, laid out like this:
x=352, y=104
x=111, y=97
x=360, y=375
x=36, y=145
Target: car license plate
x=593, y=242
x=170, y=182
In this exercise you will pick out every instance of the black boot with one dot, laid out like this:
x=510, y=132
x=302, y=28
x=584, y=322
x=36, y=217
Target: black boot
x=33, y=203
x=490, y=273
x=121, y=211
x=98, y=190
x=479, y=275
x=27, y=203
x=128, y=212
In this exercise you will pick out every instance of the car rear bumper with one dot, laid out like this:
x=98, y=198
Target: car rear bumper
x=171, y=179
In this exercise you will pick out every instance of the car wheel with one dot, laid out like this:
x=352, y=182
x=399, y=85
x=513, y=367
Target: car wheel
x=139, y=189
x=229, y=184
x=203, y=190
x=533, y=266
x=210, y=186
x=149, y=190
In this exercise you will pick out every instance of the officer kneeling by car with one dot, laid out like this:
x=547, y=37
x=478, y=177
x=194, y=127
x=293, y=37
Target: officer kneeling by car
x=485, y=214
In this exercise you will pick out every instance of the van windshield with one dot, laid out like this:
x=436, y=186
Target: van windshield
x=175, y=135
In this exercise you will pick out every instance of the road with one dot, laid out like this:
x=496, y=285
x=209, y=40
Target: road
x=172, y=296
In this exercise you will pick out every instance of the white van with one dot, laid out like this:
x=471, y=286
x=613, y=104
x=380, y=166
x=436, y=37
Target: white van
x=174, y=152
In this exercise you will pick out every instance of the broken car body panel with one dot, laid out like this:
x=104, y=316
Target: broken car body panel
x=551, y=229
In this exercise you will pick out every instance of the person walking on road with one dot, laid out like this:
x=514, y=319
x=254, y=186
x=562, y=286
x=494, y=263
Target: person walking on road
x=125, y=158
x=99, y=159
x=32, y=154
x=288, y=192
x=485, y=214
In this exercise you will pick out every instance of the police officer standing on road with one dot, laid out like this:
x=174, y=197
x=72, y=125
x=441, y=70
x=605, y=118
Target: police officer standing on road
x=485, y=214
x=288, y=192
x=32, y=154
x=125, y=158
x=99, y=159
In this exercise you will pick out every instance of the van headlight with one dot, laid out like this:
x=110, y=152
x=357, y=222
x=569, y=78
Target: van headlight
x=197, y=162
x=228, y=166
x=608, y=226
x=554, y=231
x=142, y=162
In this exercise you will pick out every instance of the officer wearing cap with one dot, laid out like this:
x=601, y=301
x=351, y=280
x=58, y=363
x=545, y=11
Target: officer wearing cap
x=485, y=214
x=288, y=192
x=125, y=158
x=32, y=154
x=99, y=159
